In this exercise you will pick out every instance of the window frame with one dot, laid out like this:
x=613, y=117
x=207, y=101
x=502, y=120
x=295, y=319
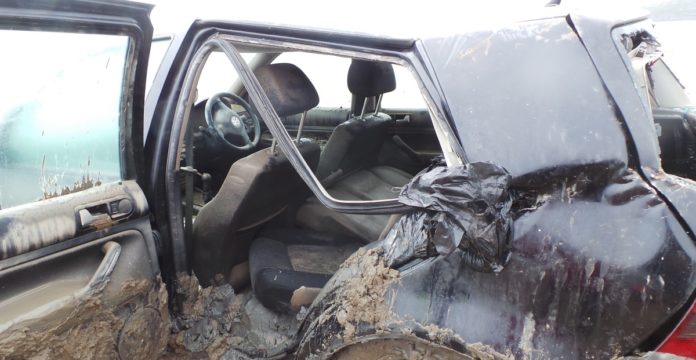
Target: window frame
x=654, y=163
x=152, y=71
x=617, y=35
x=131, y=98
x=449, y=143
x=286, y=142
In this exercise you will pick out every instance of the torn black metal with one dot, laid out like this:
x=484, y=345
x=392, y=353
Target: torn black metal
x=465, y=207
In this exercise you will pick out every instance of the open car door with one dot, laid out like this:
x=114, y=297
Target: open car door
x=79, y=276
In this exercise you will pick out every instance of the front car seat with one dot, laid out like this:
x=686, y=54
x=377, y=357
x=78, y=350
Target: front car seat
x=288, y=266
x=258, y=187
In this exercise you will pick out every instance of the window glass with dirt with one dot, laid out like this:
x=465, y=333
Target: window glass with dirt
x=60, y=113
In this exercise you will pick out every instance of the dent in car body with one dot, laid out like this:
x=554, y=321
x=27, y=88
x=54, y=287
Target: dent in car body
x=680, y=192
x=594, y=269
x=590, y=275
x=598, y=260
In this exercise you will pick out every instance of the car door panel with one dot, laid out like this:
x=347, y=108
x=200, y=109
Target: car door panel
x=70, y=275
x=79, y=272
x=411, y=142
x=414, y=127
x=416, y=130
x=42, y=224
x=47, y=277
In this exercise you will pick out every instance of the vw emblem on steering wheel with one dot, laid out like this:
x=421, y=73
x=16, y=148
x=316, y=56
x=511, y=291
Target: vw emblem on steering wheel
x=235, y=121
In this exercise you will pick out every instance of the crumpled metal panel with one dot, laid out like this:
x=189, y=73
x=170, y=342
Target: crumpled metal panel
x=593, y=271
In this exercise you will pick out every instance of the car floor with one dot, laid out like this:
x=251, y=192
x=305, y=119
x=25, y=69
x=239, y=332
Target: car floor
x=216, y=323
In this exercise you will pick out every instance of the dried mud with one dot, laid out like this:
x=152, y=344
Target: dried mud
x=362, y=306
x=362, y=298
x=408, y=349
x=216, y=323
x=49, y=184
x=92, y=329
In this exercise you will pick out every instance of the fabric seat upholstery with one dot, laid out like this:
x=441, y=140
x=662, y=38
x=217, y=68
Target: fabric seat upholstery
x=378, y=182
x=348, y=164
x=252, y=194
x=355, y=143
x=284, y=263
x=249, y=196
x=281, y=261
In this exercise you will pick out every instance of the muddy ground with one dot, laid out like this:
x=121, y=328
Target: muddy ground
x=93, y=330
x=215, y=323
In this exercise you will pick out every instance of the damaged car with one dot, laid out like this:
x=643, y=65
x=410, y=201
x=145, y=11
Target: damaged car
x=518, y=190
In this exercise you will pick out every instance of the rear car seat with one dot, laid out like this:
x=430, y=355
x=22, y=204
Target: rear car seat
x=348, y=164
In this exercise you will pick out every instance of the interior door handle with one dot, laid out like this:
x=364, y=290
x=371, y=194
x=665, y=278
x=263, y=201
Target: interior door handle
x=105, y=214
x=404, y=120
x=112, y=251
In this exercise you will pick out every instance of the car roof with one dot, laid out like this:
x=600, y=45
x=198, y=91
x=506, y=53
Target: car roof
x=357, y=17
x=404, y=25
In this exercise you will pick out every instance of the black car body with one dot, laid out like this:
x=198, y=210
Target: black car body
x=586, y=250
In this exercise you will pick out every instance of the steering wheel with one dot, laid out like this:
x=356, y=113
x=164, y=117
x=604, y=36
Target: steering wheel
x=228, y=123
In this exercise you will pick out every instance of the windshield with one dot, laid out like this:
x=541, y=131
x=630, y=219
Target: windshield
x=218, y=75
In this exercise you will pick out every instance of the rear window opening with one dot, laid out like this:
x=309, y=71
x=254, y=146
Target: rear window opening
x=673, y=111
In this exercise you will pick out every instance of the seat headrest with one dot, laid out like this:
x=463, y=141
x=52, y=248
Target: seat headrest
x=370, y=78
x=288, y=88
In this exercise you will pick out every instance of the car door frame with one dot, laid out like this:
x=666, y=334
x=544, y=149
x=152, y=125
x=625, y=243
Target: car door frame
x=600, y=37
x=166, y=120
